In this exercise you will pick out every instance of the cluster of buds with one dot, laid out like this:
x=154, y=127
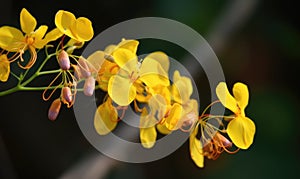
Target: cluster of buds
x=82, y=71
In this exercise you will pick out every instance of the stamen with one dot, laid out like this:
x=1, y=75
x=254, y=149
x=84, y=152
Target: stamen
x=52, y=92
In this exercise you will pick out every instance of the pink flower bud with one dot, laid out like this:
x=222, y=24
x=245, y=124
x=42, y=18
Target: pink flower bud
x=66, y=95
x=89, y=86
x=63, y=60
x=54, y=109
x=84, y=68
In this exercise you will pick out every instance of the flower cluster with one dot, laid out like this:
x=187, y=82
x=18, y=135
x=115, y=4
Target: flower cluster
x=164, y=102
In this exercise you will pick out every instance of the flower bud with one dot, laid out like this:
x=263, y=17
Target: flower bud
x=63, y=60
x=89, y=86
x=84, y=68
x=54, y=109
x=66, y=95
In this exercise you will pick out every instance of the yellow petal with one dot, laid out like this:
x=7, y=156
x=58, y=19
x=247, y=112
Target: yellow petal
x=196, y=149
x=226, y=98
x=241, y=94
x=241, y=131
x=147, y=130
x=64, y=20
x=11, y=38
x=110, y=48
x=171, y=122
x=125, y=59
x=4, y=68
x=163, y=129
x=40, y=32
x=53, y=35
x=182, y=88
x=161, y=58
x=38, y=35
x=121, y=90
x=130, y=45
x=152, y=74
x=28, y=22
x=82, y=29
x=96, y=60
x=105, y=119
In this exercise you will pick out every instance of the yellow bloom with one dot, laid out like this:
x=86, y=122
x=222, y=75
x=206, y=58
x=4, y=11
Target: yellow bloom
x=13, y=40
x=241, y=129
x=4, y=68
x=184, y=112
x=106, y=117
x=122, y=86
x=79, y=29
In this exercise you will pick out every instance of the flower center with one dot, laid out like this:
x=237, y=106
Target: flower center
x=29, y=40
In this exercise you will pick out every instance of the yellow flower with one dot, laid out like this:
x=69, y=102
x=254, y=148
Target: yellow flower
x=4, y=68
x=184, y=112
x=122, y=86
x=106, y=117
x=79, y=29
x=13, y=40
x=241, y=129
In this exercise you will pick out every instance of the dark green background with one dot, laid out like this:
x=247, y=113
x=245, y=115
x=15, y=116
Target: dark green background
x=263, y=52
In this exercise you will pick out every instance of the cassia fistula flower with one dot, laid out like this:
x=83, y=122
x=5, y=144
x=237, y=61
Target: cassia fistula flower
x=14, y=40
x=240, y=129
x=79, y=29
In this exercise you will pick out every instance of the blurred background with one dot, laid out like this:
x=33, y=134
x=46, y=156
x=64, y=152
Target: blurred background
x=257, y=42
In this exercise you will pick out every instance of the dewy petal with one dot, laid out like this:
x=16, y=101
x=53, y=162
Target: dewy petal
x=241, y=94
x=196, y=149
x=28, y=22
x=11, y=39
x=161, y=58
x=147, y=129
x=82, y=29
x=125, y=59
x=105, y=119
x=121, y=90
x=4, y=68
x=241, y=131
x=182, y=88
x=226, y=98
x=64, y=21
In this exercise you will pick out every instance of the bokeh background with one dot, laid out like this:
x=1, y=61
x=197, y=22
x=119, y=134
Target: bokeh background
x=257, y=42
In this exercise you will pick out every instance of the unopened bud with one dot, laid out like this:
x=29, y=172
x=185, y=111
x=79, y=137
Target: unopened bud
x=54, y=109
x=84, y=68
x=66, y=94
x=89, y=86
x=63, y=60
